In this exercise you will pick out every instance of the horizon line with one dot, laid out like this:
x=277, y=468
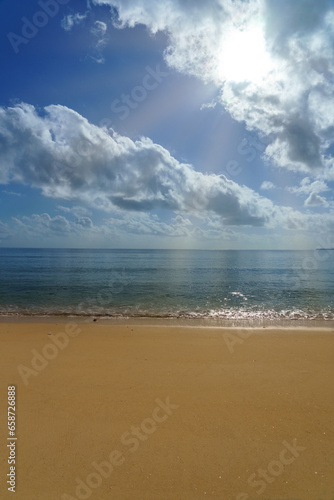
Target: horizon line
x=174, y=249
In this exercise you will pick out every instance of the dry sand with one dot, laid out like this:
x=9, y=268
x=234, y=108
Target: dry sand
x=146, y=412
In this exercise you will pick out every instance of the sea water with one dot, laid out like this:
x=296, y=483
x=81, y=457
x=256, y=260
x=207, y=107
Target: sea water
x=229, y=284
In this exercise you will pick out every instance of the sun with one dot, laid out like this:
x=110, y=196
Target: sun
x=243, y=56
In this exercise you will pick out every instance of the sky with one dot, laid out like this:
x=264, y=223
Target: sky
x=174, y=124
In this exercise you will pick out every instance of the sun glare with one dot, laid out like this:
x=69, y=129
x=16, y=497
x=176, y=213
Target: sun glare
x=243, y=56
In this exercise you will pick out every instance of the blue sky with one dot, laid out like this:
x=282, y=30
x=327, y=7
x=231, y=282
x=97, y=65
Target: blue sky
x=142, y=124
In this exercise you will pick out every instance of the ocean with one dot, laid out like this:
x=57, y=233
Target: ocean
x=189, y=284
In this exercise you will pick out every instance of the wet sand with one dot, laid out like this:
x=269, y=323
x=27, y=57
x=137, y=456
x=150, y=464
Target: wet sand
x=156, y=412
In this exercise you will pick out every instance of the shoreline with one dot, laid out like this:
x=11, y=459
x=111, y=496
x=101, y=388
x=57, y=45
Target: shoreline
x=281, y=324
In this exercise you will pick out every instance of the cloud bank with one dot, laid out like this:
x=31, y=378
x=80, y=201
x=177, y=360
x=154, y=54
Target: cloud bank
x=61, y=153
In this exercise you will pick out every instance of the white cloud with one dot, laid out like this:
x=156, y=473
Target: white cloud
x=71, y=20
x=39, y=229
x=273, y=61
x=75, y=210
x=84, y=222
x=312, y=189
x=57, y=224
x=315, y=200
x=99, y=29
x=4, y=231
x=208, y=105
x=146, y=224
x=181, y=221
x=68, y=158
x=267, y=185
x=308, y=187
x=140, y=229
x=36, y=228
x=11, y=193
x=117, y=227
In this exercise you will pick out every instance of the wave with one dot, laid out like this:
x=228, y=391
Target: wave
x=210, y=314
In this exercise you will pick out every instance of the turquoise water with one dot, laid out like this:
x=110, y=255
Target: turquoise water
x=168, y=283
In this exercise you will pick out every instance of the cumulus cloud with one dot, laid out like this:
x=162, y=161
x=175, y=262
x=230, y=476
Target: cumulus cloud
x=181, y=221
x=41, y=226
x=308, y=187
x=123, y=227
x=312, y=189
x=44, y=222
x=314, y=200
x=273, y=62
x=68, y=158
x=117, y=226
x=84, y=222
x=267, y=185
x=146, y=224
x=36, y=228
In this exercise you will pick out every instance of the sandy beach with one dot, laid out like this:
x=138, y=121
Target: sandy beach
x=154, y=412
